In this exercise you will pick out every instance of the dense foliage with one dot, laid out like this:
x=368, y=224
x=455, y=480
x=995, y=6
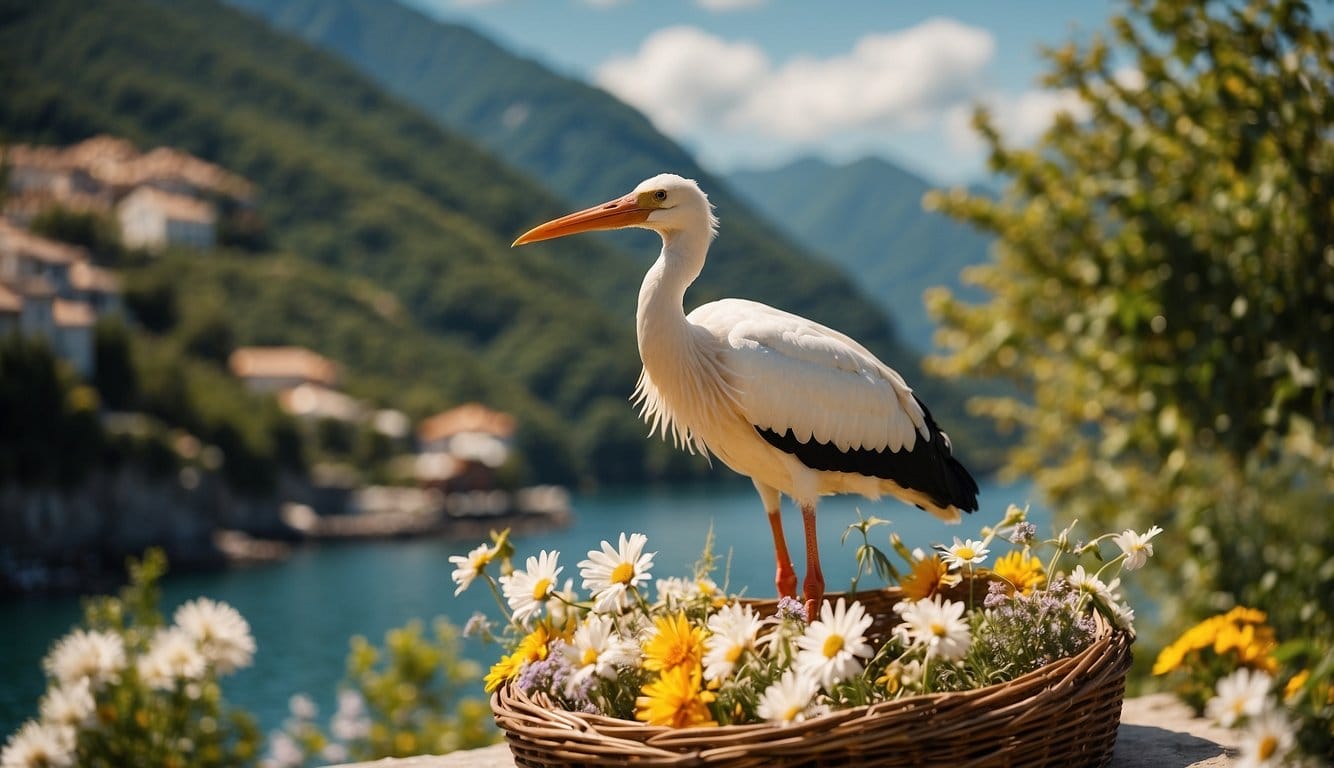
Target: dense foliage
x=1164, y=285
x=51, y=435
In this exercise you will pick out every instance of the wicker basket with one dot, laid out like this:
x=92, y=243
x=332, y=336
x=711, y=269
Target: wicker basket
x=1064, y=714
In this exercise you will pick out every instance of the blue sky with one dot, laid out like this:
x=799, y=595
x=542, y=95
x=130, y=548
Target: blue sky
x=753, y=83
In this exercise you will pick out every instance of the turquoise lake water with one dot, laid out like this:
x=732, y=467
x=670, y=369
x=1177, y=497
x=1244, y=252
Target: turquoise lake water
x=302, y=611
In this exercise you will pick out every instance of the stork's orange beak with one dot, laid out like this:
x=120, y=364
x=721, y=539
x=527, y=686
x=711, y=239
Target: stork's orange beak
x=613, y=214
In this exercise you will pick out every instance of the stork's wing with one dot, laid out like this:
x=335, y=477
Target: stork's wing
x=795, y=374
x=823, y=398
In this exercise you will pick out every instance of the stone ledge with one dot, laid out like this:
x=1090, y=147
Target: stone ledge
x=1156, y=731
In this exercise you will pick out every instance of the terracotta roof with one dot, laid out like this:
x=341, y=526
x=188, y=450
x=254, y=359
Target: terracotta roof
x=174, y=206
x=283, y=362
x=469, y=417
x=13, y=238
x=31, y=287
x=116, y=162
x=10, y=302
x=86, y=277
x=73, y=314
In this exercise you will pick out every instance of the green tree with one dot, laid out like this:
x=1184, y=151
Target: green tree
x=1163, y=286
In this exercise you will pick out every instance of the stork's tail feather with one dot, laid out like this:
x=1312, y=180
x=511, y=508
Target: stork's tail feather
x=952, y=486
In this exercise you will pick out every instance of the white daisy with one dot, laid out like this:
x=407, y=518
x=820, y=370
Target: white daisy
x=97, y=656
x=1137, y=548
x=609, y=574
x=964, y=554
x=1124, y=616
x=221, y=631
x=173, y=655
x=1244, y=693
x=938, y=625
x=69, y=705
x=39, y=745
x=1267, y=740
x=831, y=648
x=595, y=651
x=527, y=591
x=560, y=605
x=790, y=700
x=734, y=631
x=302, y=707
x=1091, y=585
x=470, y=566
x=350, y=721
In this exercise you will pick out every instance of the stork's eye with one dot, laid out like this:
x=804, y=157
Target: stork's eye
x=660, y=195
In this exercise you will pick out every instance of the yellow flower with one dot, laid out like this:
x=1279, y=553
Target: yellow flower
x=1294, y=685
x=1241, y=633
x=929, y=575
x=1169, y=658
x=533, y=647
x=674, y=643
x=503, y=671
x=1024, y=575
x=676, y=699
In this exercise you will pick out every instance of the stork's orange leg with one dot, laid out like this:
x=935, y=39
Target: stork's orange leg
x=786, y=578
x=813, y=588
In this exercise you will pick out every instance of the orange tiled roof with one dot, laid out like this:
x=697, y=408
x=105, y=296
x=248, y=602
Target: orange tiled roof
x=116, y=162
x=37, y=247
x=10, y=302
x=73, y=314
x=283, y=362
x=86, y=277
x=469, y=417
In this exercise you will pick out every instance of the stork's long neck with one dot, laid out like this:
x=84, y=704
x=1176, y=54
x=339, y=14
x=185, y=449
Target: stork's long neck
x=683, y=390
x=660, y=320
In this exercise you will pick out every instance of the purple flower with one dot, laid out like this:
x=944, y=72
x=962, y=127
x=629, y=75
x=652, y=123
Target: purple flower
x=996, y=595
x=1023, y=533
x=792, y=608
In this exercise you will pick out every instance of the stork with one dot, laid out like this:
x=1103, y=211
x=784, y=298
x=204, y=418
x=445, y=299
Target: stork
x=800, y=409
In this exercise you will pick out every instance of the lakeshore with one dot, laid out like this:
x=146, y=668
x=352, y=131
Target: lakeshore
x=304, y=610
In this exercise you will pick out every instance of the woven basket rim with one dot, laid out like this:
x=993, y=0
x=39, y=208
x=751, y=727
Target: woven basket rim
x=1109, y=653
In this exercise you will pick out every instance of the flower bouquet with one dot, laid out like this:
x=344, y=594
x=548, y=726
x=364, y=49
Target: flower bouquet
x=1020, y=664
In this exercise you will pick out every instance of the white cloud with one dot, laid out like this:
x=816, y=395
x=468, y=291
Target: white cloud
x=684, y=78
x=690, y=82
x=724, y=6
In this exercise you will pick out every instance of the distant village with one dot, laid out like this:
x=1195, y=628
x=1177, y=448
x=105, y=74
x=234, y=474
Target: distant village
x=165, y=198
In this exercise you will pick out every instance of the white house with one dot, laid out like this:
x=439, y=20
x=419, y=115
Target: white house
x=153, y=219
x=73, y=337
x=274, y=369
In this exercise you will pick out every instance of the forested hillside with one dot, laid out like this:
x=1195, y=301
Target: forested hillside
x=585, y=145
x=387, y=203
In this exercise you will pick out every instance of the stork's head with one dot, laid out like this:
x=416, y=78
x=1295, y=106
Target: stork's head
x=666, y=203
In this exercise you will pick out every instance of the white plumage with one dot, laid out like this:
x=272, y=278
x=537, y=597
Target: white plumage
x=799, y=408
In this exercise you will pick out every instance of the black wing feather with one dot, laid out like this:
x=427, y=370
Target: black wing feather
x=929, y=468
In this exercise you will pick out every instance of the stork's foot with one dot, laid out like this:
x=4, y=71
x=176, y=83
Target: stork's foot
x=814, y=594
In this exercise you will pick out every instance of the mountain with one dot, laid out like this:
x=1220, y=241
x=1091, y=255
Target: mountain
x=587, y=146
x=579, y=141
x=362, y=195
x=867, y=217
